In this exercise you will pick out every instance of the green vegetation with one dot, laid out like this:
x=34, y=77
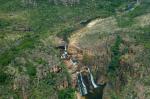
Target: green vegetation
x=116, y=54
x=8, y=55
x=144, y=37
x=27, y=54
x=114, y=96
x=139, y=10
x=127, y=19
x=124, y=21
x=67, y=94
x=4, y=78
x=66, y=33
x=4, y=23
x=42, y=91
x=31, y=70
x=46, y=19
x=65, y=72
x=86, y=59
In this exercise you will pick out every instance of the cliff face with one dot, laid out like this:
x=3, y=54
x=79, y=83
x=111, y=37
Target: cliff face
x=92, y=45
x=111, y=38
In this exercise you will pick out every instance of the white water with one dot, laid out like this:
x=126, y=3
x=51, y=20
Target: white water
x=79, y=85
x=84, y=87
x=65, y=47
x=92, y=79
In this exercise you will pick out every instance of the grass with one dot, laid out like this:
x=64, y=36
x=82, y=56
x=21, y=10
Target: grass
x=142, y=36
x=10, y=54
x=139, y=10
x=44, y=20
x=4, y=23
x=49, y=19
x=66, y=33
x=124, y=21
x=31, y=69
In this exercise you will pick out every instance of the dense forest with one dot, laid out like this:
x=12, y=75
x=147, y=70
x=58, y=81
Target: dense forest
x=109, y=37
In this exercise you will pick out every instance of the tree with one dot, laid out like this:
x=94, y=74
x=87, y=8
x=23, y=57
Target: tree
x=66, y=94
x=116, y=54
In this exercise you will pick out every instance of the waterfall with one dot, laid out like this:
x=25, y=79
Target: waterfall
x=92, y=79
x=80, y=89
x=65, y=47
x=84, y=87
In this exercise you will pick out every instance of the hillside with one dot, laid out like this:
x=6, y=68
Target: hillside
x=109, y=37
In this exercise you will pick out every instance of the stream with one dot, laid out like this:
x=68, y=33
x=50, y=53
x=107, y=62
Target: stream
x=94, y=91
x=86, y=85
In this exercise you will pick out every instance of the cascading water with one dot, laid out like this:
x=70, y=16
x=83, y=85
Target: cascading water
x=79, y=85
x=84, y=86
x=92, y=79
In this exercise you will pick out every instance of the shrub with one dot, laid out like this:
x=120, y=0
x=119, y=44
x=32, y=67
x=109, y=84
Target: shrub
x=31, y=70
x=4, y=78
x=124, y=21
x=66, y=94
x=4, y=23
x=86, y=59
x=65, y=34
x=116, y=54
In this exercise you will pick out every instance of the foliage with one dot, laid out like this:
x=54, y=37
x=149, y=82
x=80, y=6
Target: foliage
x=66, y=94
x=124, y=21
x=66, y=73
x=40, y=61
x=86, y=59
x=45, y=19
x=143, y=8
x=7, y=5
x=4, y=78
x=115, y=59
x=127, y=19
x=41, y=91
x=50, y=79
x=4, y=23
x=65, y=34
x=144, y=37
x=31, y=69
x=114, y=96
x=8, y=55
